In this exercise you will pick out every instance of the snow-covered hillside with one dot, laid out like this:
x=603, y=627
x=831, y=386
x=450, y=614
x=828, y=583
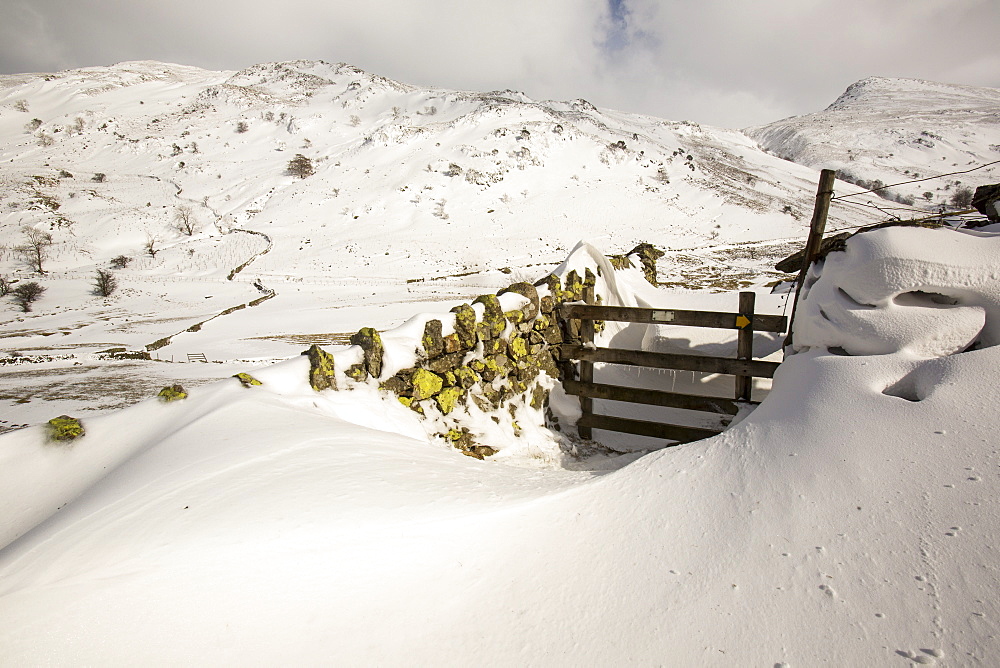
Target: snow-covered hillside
x=418, y=195
x=896, y=130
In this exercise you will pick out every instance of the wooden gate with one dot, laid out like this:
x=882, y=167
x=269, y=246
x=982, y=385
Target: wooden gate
x=744, y=367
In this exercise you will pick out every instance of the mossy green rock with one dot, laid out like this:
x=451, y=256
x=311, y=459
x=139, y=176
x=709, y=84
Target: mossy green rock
x=448, y=398
x=465, y=325
x=321, y=372
x=247, y=380
x=370, y=342
x=432, y=340
x=426, y=384
x=65, y=428
x=172, y=393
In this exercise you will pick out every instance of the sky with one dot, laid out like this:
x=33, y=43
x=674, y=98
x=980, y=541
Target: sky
x=719, y=62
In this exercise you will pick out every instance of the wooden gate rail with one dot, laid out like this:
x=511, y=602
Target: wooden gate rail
x=743, y=366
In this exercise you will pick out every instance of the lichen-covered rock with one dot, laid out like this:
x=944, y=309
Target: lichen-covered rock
x=465, y=325
x=445, y=363
x=620, y=262
x=517, y=347
x=247, y=380
x=493, y=316
x=574, y=287
x=453, y=344
x=172, y=393
x=538, y=396
x=371, y=343
x=526, y=290
x=547, y=304
x=321, y=372
x=465, y=377
x=648, y=254
x=544, y=361
x=65, y=428
x=400, y=384
x=495, y=346
x=555, y=287
x=448, y=398
x=426, y=384
x=432, y=340
x=357, y=372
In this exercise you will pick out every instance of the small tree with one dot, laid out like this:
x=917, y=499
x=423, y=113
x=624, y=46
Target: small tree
x=105, y=283
x=241, y=127
x=36, y=250
x=120, y=262
x=301, y=166
x=185, y=221
x=150, y=247
x=27, y=293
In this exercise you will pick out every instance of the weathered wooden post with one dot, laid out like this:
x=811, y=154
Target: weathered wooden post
x=816, y=229
x=587, y=368
x=744, y=343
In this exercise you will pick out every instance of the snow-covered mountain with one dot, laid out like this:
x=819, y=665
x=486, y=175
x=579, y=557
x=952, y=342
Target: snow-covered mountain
x=896, y=130
x=409, y=171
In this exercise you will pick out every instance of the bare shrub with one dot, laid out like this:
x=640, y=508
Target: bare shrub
x=105, y=283
x=25, y=294
x=120, y=262
x=962, y=198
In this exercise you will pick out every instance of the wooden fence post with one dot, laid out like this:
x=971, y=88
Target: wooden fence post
x=816, y=229
x=586, y=367
x=744, y=344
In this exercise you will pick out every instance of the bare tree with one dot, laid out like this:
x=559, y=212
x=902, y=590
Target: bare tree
x=105, y=283
x=150, y=247
x=36, y=250
x=27, y=293
x=184, y=220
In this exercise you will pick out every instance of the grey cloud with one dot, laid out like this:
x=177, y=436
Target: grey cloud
x=723, y=63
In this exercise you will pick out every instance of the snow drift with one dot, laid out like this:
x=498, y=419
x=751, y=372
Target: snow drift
x=851, y=519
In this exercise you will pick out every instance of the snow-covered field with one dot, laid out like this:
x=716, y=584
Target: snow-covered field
x=850, y=519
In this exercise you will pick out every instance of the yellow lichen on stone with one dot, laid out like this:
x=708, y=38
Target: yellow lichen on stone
x=517, y=347
x=448, y=398
x=65, y=428
x=172, y=393
x=321, y=372
x=426, y=384
x=247, y=380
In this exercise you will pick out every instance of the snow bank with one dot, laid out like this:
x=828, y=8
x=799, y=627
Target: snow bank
x=850, y=520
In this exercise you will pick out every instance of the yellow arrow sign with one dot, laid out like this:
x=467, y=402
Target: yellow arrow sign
x=742, y=321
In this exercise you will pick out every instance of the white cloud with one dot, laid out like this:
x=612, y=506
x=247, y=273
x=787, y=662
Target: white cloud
x=712, y=61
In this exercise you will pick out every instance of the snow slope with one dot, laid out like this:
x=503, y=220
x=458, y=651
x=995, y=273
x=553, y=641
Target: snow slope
x=897, y=130
x=851, y=519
